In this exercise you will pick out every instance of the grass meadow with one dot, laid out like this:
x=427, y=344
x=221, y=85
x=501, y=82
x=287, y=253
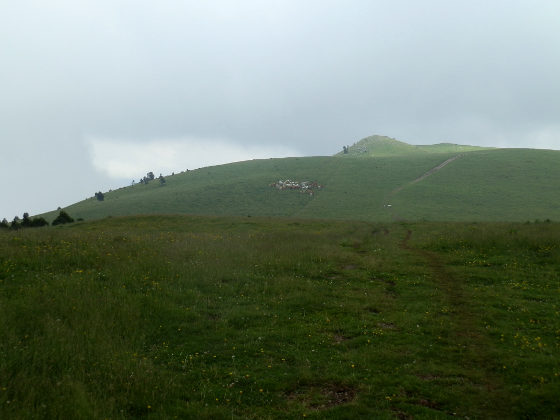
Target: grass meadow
x=252, y=318
x=481, y=185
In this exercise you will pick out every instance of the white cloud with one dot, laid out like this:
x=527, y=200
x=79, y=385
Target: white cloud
x=131, y=160
x=546, y=138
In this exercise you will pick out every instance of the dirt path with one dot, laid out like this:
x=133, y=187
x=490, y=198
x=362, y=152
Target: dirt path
x=465, y=334
x=387, y=205
x=425, y=175
x=446, y=281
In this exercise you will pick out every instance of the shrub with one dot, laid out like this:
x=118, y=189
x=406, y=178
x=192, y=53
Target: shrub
x=26, y=222
x=15, y=223
x=38, y=222
x=62, y=218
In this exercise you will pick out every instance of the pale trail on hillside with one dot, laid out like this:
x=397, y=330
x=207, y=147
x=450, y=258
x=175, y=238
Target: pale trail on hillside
x=394, y=215
x=425, y=175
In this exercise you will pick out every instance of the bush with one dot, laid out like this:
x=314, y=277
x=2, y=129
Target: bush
x=15, y=223
x=26, y=222
x=38, y=222
x=62, y=218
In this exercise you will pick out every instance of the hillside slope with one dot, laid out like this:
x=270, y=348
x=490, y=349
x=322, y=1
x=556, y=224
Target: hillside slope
x=496, y=185
x=386, y=146
x=477, y=185
x=351, y=189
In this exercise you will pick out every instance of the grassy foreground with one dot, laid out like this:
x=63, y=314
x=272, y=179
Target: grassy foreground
x=199, y=317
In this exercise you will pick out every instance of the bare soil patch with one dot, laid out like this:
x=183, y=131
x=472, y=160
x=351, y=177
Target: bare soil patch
x=323, y=397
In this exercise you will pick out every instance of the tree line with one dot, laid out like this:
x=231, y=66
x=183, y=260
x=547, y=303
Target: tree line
x=150, y=177
x=144, y=180
x=63, y=217
x=28, y=222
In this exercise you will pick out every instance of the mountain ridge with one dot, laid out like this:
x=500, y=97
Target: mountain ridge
x=485, y=184
x=377, y=145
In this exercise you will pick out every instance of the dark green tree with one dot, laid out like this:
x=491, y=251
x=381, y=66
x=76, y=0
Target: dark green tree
x=62, y=218
x=100, y=196
x=4, y=224
x=26, y=222
x=15, y=223
x=150, y=176
x=38, y=222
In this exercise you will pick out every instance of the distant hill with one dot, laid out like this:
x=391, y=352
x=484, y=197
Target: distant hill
x=391, y=180
x=386, y=146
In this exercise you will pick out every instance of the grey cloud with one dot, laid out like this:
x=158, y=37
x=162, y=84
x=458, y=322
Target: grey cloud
x=309, y=75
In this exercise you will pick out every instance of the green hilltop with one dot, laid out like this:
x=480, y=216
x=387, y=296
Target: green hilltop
x=379, y=179
x=387, y=146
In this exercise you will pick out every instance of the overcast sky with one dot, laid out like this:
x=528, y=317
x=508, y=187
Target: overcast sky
x=96, y=93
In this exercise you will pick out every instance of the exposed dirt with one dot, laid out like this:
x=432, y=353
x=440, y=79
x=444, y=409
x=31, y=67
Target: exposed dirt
x=337, y=395
x=401, y=415
x=428, y=403
x=338, y=338
x=323, y=397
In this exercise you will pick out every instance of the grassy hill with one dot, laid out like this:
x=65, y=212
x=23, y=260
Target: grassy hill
x=499, y=185
x=340, y=304
x=215, y=318
x=479, y=185
x=387, y=146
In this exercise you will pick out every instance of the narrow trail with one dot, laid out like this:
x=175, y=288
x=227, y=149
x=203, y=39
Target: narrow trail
x=445, y=281
x=394, y=216
x=425, y=175
x=465, y=334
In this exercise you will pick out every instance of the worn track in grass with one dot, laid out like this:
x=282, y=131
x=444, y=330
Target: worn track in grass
x=394, y=216
x=425, y=175
x=466, y=334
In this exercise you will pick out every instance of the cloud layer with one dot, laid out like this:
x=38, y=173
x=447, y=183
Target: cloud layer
x=307, y=75
x=131, y=160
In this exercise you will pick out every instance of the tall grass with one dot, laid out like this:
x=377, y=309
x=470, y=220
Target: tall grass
x=243, y=317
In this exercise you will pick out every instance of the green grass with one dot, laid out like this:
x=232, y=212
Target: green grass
x=237, y=317
x=386, y=146
x=353, y=189
x=496, y=185
x=484, y=185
